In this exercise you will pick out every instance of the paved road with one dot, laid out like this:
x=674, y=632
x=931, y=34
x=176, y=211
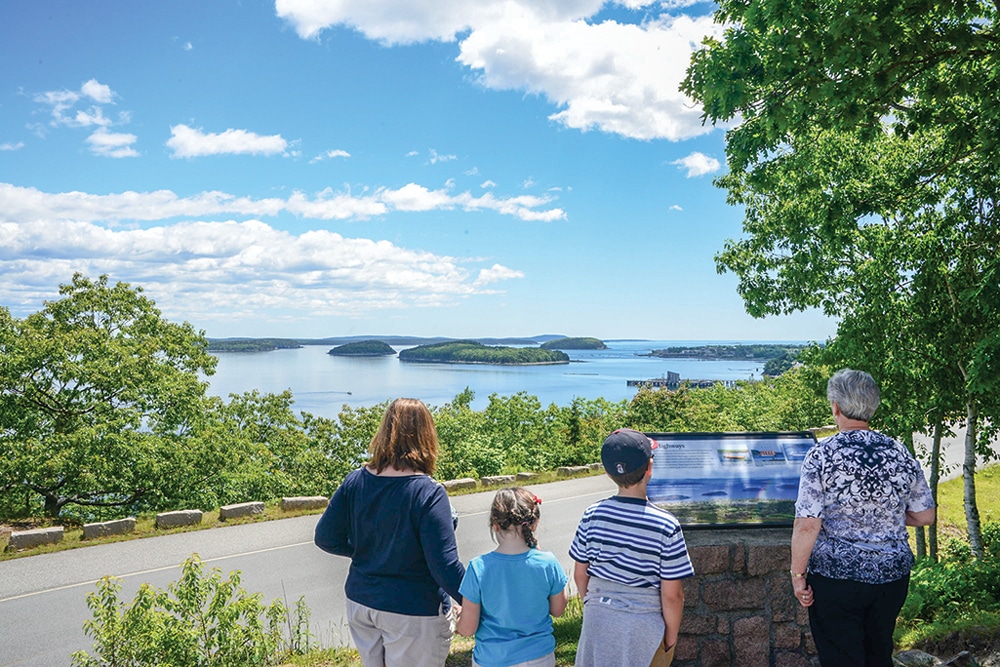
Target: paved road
x=43, y=598
x=953, y=450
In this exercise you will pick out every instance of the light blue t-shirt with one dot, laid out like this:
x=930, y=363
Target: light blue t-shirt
x=513, y=591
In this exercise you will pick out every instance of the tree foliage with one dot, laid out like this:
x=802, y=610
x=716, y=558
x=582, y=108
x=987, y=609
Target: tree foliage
x=96, y=390
x=866, y=161
x=103, y=414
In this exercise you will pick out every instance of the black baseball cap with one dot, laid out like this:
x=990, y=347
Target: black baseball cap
x=626, y=451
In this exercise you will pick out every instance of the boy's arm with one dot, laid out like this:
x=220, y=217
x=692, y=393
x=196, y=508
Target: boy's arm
x=468, y=619
x=581, y=578
x=672, y=601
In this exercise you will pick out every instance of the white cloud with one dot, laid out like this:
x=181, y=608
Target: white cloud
x=412, y=154
x=698, y=164
x=329, y=155
x=435, y=157
x=12, y=146
x=112, y=144
x=487, y=184
x=497, y=273
x=97, y=91
x=187, y=141
x=615, y=77
x=188, y=46
x=413, y=197
x=242, y=269
x=19, y=204
x=62, y=103
x=675, y=207
x=528, y=183
x=212, y=270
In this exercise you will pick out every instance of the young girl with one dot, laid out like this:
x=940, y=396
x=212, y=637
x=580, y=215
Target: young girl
x=510, y=593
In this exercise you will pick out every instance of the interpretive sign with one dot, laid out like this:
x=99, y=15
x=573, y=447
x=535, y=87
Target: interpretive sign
x=708, y=479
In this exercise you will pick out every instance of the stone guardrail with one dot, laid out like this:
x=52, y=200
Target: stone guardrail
x=16, y=540
x=461, y=483
x=496, y=480
x=178, y=518
x=24, y=539
x=106, y=528
x=240, y=510
x=296, y=503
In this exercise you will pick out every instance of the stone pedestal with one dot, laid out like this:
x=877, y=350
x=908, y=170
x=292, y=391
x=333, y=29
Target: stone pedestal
x=739, y=608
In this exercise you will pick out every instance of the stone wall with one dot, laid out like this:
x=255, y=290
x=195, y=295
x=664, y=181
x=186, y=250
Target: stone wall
x=739, y=608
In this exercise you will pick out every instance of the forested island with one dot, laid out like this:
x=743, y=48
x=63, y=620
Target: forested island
x=574, y=344
x=736, y=351
x=251, y=344
x=777, y=358
x=363, y=348
x=471, y=352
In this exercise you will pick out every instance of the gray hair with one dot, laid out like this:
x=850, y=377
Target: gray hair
x=855, y=392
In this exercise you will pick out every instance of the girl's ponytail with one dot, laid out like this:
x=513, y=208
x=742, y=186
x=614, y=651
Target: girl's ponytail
x=516, y=507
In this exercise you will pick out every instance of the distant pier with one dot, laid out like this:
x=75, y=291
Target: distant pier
x=674, y=381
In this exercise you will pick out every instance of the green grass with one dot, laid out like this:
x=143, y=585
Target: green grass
x=951, y=503
x=145, y=526
x=566, y=629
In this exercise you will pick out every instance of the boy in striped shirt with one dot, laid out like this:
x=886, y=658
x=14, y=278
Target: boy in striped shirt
x=630, y=559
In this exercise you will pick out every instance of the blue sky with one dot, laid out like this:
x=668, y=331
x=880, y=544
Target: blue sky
x=341, y=167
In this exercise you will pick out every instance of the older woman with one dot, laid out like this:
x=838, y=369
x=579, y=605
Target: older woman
x=395, y=524
x=851, y=557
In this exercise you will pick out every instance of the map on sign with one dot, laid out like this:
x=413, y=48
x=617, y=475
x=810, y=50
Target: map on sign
x=719, y=479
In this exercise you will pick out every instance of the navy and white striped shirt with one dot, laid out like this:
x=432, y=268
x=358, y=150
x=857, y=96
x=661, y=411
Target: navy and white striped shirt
x=632, y=542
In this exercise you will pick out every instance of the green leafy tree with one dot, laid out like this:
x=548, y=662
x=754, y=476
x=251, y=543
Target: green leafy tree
x=97, y=391
x=866, y=160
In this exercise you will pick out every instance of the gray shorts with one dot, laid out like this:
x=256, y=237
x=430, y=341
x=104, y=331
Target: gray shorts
x=397, y=640
x=545, y=661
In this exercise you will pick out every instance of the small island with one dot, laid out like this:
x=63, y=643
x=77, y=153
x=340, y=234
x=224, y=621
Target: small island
x=471, y=352
x=752, y=352
x=581, y=343
x=363, y=348
x=251, y=344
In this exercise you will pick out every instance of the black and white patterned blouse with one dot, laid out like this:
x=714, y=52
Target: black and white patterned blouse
x=861, y=483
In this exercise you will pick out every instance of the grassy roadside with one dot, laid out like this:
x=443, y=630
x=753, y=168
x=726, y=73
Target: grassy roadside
x=145, y=525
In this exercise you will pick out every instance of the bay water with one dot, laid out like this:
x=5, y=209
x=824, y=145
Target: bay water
x=322, y=384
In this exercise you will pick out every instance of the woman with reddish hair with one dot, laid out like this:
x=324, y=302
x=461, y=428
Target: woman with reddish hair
x=395, y=524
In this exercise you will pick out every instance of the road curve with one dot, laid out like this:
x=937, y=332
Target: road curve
x=43, y=598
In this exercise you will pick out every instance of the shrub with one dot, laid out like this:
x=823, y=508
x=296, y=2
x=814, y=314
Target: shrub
x=202, y=620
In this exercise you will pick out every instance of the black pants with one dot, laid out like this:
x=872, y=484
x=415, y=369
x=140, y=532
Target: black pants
x=852, y=622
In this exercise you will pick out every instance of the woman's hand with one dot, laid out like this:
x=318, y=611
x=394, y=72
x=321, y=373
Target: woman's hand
x=803, y=592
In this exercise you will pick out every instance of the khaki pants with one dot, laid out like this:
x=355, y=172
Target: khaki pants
x=398, y=640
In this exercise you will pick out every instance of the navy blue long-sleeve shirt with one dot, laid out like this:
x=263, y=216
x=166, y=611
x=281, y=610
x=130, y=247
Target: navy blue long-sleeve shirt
x=399, y=535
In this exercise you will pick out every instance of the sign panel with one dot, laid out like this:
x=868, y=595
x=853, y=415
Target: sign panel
x=708, y=479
